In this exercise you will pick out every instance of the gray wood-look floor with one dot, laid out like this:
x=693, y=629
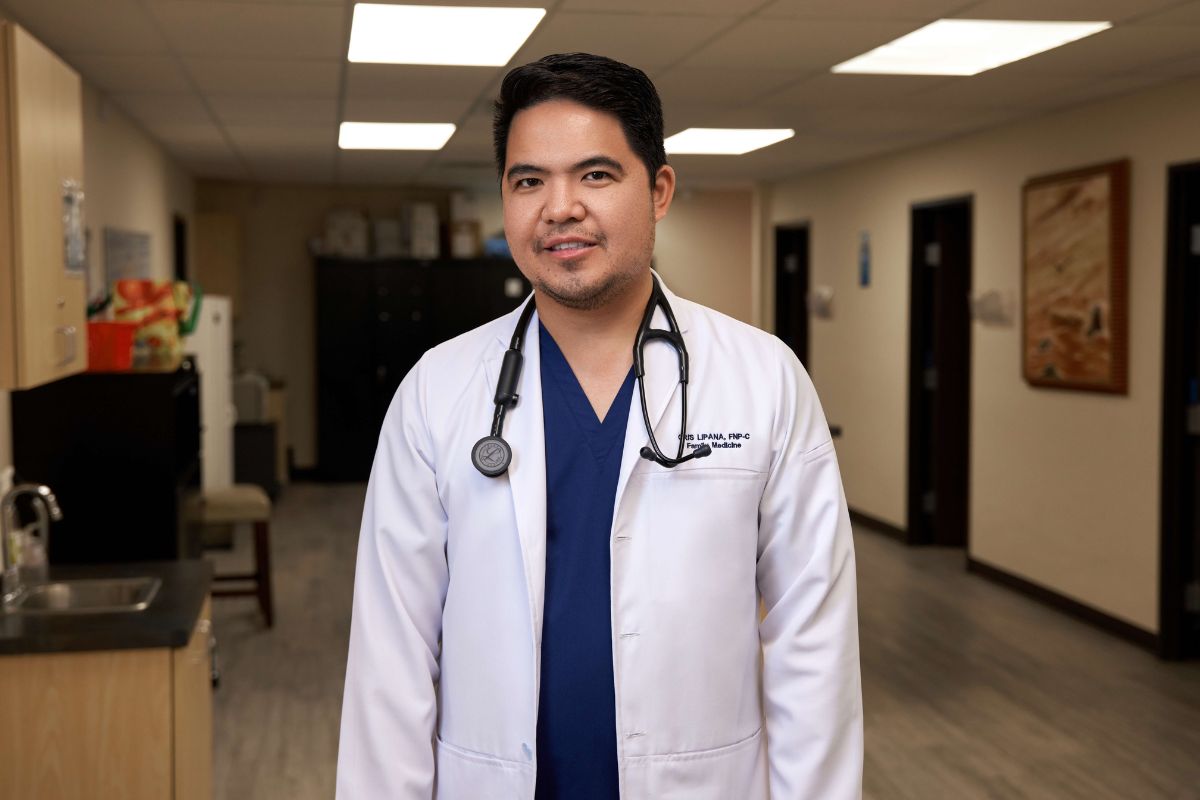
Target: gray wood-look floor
x=970, y=690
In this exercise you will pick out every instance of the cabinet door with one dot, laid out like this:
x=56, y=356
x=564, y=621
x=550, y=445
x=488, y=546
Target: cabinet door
x=86, y=726
x=193, y=713
x=44, y=128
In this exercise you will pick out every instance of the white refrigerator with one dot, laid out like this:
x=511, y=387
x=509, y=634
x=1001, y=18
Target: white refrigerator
x=212, y=344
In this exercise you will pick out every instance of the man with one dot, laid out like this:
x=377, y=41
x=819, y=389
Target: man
x=587, y=623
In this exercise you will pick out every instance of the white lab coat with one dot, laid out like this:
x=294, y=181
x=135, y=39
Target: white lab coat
x=711, y=704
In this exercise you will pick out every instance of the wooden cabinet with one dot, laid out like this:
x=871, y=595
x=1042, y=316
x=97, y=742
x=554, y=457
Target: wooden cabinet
x=43, y=315
x=109, y=725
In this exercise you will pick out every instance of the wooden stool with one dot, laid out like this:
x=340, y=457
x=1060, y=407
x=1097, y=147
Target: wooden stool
x=244, y=503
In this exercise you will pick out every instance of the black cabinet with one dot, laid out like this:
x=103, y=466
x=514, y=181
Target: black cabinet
x=122, y=453
x=375, y=318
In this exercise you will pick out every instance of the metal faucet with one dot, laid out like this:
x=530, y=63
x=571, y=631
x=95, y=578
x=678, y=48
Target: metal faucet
x=46, y=505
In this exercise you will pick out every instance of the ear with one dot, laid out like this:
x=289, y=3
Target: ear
x=663, y=191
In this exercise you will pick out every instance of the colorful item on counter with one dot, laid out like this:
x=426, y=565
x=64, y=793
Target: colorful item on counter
x=110, y=346
x=157, y=309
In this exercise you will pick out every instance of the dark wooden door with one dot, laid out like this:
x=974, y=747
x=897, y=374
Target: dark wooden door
x=791, y=288
x=940, y=374
x=1179, y=605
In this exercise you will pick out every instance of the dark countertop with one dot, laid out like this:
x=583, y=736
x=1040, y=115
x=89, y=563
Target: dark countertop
x=167, y=622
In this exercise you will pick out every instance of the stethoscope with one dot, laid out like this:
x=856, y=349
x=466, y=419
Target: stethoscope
x=491, y=455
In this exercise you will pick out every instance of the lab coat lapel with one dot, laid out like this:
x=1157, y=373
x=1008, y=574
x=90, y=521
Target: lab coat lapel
x=662, y=384
x=525, y=432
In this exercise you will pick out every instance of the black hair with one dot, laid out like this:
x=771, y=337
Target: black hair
x=594, y=81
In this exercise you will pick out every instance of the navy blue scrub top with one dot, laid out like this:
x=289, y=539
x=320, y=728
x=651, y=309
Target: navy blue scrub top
x=577, y=727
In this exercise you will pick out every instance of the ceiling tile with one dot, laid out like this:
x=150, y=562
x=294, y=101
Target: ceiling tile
x=796, y=45
x=383, y=109
x=1186, y=14
x=311, y=168
x=241, y=76
x=921, y=10
x=112, y=27
x=274, y=110
x=1111, y=10
x=1119, y=49
x=830, y=90
x=995, y=89
x=647, y=42
x=721, y=86
x=164, y=109
x=225, y=169
x=377, y=167
x=247, y=30
x=413, y=82
x=193, y=140
x=716, y=8
x=131, y=74
x=258, y=141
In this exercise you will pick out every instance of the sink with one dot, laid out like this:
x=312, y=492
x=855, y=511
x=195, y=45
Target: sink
x=91, y=596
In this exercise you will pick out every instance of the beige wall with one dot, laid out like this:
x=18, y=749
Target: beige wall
x=1064, y=485
x=129, y=183
x=703, y=249
x=274, y=330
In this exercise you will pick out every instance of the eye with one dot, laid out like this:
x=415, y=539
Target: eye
x=526, y=183
x=597, y=175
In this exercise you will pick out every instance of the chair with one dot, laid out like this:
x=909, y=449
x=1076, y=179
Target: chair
x=244, y=503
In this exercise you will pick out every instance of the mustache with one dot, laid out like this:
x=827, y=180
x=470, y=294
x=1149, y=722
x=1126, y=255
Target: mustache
x=599, y=239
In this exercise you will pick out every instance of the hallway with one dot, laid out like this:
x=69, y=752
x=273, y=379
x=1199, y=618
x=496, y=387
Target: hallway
x=970, y=690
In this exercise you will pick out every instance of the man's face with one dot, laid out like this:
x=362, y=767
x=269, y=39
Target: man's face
x=579, y=210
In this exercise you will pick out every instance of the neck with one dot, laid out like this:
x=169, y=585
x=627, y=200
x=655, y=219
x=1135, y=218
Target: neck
x=599, y=335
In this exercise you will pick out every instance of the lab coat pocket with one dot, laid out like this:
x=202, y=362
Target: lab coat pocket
x=737, y=771
x=466, y=775
x=703, y=531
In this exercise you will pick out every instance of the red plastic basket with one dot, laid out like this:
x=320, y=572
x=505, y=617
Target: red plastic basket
x=110, y=346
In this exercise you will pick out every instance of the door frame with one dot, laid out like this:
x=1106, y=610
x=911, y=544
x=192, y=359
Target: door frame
x=1172, y=581
x=916, y=448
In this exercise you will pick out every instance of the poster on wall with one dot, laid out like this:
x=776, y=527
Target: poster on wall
x=1075, y=251
x=126, y=255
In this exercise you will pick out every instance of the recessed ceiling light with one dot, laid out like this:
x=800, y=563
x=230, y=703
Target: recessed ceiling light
x=394, y=135
x=725, y=141
x=967, y=46
x=444, y=35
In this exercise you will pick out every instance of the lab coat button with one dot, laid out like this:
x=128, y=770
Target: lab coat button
x=527, y=750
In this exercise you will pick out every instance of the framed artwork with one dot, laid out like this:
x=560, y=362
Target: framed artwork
x=1075, y=252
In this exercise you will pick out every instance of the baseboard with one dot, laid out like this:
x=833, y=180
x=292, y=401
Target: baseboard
x=1085, y=613
x=878, y=525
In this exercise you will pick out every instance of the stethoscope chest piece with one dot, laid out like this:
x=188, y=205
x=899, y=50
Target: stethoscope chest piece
x=491, y=455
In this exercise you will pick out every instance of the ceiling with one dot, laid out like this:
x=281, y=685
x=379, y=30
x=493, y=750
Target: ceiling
x=255, y=89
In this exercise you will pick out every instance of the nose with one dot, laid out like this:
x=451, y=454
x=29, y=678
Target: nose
x=563, y=203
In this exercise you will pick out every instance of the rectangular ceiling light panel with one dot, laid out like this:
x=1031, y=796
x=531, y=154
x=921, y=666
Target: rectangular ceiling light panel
x=394, y=135
x=442, y=35
x=725, y=141
x=967, y=46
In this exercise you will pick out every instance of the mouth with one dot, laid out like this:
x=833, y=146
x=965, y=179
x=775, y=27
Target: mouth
x=565, y=248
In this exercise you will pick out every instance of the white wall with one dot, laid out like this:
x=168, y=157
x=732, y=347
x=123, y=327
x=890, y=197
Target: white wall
x=1064, y=485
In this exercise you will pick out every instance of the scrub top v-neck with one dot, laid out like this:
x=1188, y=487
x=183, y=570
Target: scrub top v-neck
x=576, y=731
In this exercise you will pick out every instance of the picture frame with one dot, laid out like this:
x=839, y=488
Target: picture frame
x=1074, y=279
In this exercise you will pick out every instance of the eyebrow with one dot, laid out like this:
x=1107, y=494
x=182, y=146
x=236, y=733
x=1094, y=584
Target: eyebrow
x=588, y=163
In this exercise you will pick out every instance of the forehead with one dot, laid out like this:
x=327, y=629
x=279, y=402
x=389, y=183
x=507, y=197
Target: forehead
x=562, y=130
